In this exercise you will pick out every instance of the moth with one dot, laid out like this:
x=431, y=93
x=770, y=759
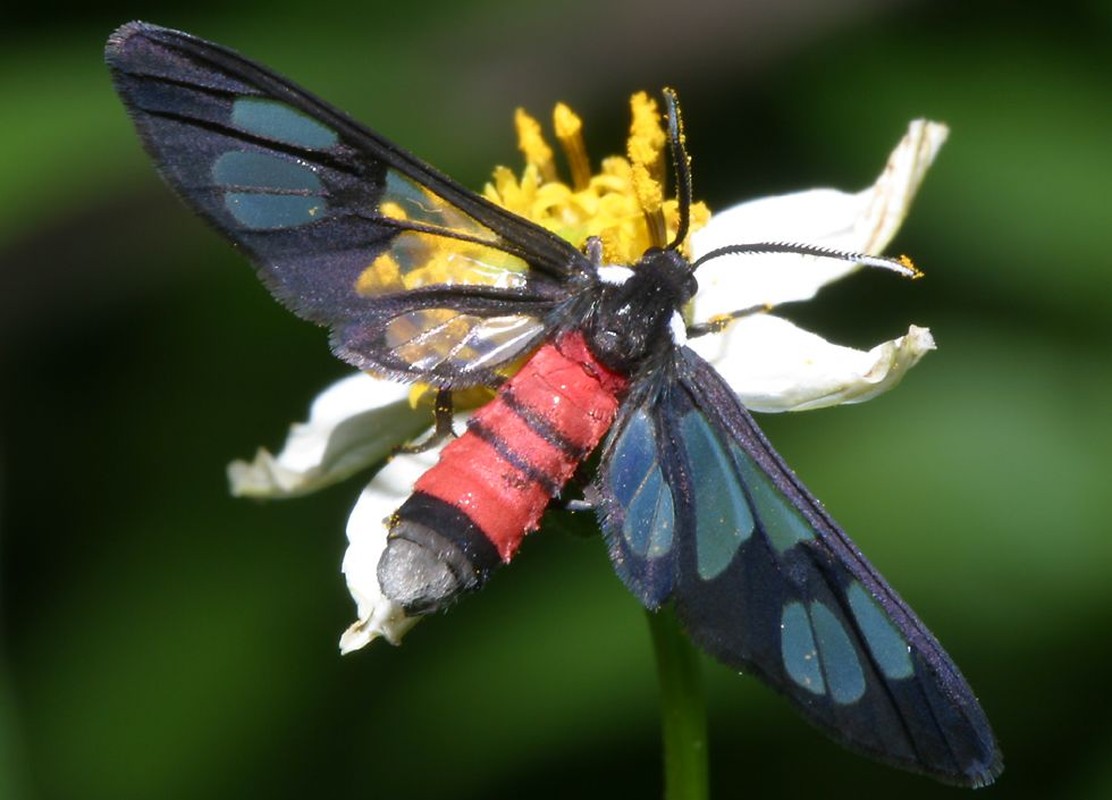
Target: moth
x=696, y=508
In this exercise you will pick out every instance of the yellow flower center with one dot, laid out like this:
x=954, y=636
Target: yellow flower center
x=622, y=204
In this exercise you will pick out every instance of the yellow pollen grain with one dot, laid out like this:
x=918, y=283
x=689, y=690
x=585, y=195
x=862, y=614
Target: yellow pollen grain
x=646, y=135
x=719, y=322
x=650, y=194
x=646, y=154
x=531, y=142
x=569, y=132
x=907, y=262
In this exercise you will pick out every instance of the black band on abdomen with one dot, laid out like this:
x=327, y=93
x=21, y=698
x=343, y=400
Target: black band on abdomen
x=443, y=521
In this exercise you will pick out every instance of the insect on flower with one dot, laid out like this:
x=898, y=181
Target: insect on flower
x=420, y=280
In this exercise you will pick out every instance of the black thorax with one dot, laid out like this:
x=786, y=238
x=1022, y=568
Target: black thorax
x=631, y=321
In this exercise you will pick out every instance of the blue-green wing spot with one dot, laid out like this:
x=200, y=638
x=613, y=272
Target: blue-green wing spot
x=275, y=120
x=272, y=211
x=781, y=522
x=888, y=646
x=798, y=649
x=252, y=169
x=838, y=655
x=723, y=519
x=265, y=191
x=635, y=478
x=814, y=644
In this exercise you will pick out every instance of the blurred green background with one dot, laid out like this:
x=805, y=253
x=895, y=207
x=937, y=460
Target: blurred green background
x=163, y=640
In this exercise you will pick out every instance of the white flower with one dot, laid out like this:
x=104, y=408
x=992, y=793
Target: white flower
x=366, y=531
x=352, y=424
x=771, y=364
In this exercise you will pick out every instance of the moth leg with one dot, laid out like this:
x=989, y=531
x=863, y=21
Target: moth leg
x=579, y=505
x=442, y=415
x=580, y=484
x=719, y=322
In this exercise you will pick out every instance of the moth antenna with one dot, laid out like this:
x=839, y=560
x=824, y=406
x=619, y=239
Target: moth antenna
x=903, y=265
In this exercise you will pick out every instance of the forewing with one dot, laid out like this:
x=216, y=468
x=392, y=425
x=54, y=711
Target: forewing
x=764, y=580
x=346, y=229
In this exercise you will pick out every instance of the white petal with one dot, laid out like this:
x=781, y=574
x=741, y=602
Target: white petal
x=862, y=222
x=366, y=531
x=352, y=424
x=773, y=365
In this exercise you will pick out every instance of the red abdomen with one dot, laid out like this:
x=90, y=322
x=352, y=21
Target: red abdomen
x=521, y=448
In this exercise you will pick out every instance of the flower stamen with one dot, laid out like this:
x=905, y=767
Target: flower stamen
x=646, y=156
x=622, y=204
x=531, y=142
x=569, y=131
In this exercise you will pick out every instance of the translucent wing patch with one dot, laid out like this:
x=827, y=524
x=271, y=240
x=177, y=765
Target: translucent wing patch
x=439, y=339
x=345, y=228
x=437, y=245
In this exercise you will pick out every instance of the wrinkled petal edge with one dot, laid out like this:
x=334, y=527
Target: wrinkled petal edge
x=775, y=366
x=353, y=424
x=368, y=525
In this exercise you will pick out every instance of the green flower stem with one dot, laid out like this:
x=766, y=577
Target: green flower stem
x=683, y=714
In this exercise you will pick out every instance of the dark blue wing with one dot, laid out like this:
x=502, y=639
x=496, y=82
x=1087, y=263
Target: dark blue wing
x=634, y=498
x=416, y=276
x=699, y=509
